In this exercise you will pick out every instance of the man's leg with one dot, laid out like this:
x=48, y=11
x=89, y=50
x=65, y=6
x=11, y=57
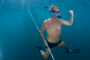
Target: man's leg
x=45, y=54
x=63, y=45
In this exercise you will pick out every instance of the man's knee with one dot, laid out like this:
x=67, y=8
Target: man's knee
x=47, y=56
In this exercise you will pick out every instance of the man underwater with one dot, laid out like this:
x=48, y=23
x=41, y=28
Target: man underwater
x=53, y=28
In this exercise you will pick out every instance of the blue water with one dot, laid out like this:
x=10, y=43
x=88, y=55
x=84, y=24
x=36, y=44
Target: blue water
x=19, y=35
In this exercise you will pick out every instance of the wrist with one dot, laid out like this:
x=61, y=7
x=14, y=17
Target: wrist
x=72, y=16
x=44, y=40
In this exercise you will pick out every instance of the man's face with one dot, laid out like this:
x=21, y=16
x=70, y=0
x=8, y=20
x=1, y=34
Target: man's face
x=57, y=11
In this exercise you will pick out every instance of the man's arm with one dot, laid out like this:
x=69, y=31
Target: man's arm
x=42, y=30
x=68, y=22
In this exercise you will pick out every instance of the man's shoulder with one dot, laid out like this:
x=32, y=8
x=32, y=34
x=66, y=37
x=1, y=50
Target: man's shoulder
x=46, y=20
x=60, y=20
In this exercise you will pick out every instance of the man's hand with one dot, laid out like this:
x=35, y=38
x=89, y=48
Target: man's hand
x=45, y=42
x=71, y=12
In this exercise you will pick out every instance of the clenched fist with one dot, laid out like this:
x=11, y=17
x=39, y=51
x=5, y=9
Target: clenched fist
x=71, y=12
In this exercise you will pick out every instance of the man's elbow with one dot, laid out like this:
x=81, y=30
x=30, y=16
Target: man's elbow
x=70, y=24
x=41, y=31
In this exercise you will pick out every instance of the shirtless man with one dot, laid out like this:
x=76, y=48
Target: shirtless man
x=53, y=27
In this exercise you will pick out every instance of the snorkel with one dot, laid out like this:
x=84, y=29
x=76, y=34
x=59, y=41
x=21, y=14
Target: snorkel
x=52, y=12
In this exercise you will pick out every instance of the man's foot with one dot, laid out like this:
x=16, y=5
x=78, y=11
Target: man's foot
x=68, y=51
x=39, y=47
x=76, y=50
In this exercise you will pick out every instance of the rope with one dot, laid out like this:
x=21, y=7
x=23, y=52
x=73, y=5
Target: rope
x=39, y=31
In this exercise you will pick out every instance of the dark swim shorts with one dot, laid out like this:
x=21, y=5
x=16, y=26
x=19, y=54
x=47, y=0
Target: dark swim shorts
x=51, y=45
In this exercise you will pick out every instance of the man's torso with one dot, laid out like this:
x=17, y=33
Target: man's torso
x=53, y=29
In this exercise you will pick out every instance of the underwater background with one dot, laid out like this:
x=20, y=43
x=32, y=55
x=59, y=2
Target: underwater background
x=19, y=36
